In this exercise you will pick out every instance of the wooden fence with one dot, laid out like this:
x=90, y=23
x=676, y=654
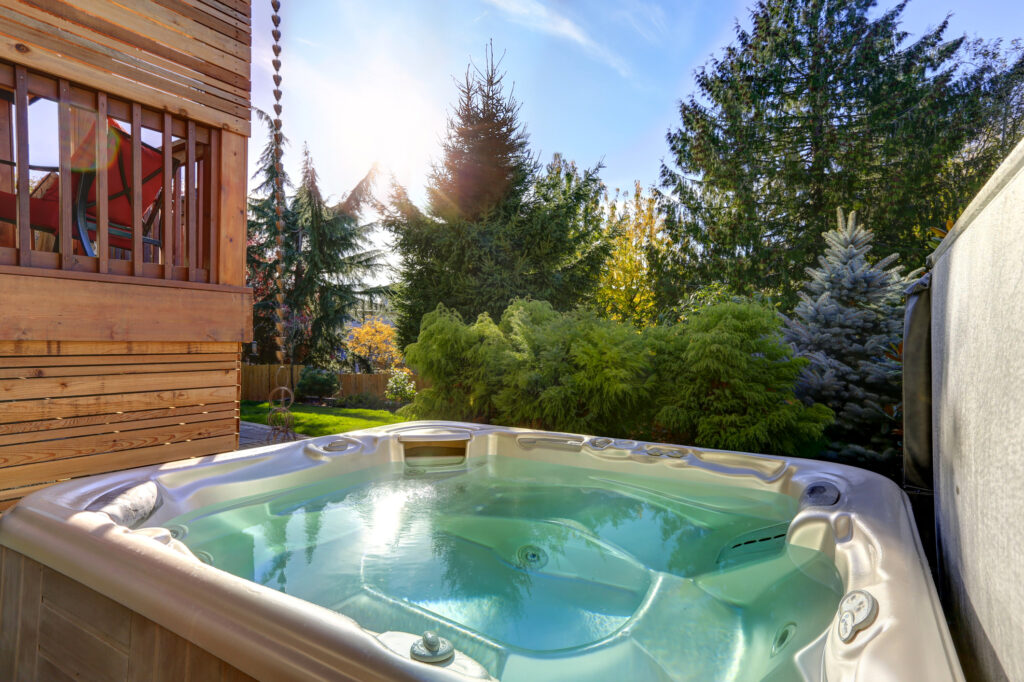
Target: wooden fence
x=259, y=380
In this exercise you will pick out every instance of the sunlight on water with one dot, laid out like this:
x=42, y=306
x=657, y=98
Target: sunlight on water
x=521, y=564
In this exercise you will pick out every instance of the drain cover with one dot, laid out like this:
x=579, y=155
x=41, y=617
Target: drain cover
x=531, y=556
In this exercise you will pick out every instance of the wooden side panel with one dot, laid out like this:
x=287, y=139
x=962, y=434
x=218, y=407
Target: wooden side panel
x=85, y=310
x=70, y=409
x=188, y=58
x=57, y=629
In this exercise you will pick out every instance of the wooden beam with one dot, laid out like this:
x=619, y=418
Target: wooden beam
x=167, y=199
x=87, y=370
x=20, y=454
x=102, y=423
x=80, y=406
x=61, y=387
x=114, y=83
x=136, y=195
x=64, y=174
x=6, y=149
x=8, y=238
x=108, y=348
x=126, y=459
x=190, y=200
x=102, y=188
x=231, y=214
x=94, y=310
x=112, y=363
x=212, y=204
x=151, y=270
x=21, y=121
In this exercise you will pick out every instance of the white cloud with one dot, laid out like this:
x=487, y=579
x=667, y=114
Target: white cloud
x=646, y=19
x=539, y=17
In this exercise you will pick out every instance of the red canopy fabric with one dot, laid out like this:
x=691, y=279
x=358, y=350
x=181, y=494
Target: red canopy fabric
x=44, y=210
x=119, y=174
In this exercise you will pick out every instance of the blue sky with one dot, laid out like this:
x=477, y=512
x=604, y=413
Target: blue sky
x=368, y=81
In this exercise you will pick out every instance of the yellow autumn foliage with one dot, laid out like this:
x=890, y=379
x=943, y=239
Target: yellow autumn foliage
x=375, y=341
x=626, y=291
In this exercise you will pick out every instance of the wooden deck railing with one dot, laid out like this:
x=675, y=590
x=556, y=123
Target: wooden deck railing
x=115, y=203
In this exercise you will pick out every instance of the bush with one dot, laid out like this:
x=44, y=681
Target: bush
x=722, y=379
x=726, y=379
x=317, y=383
x=401, y=388
x=364, y=401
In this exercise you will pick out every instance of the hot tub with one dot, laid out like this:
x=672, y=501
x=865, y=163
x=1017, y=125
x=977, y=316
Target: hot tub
x=537, y=556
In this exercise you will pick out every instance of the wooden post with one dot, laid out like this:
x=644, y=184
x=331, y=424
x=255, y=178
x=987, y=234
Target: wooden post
x=102, y=188
x=232, y=195
x=190, y=199
x=66, y=223
x=213, y=201
x=6, y=149
x=21, y=119
x=167, y=195
x=136, y=189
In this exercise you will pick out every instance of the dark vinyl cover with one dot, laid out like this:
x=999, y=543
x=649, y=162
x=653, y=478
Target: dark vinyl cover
x=917, y=386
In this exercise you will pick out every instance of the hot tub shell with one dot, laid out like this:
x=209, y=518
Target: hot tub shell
x=103, y=532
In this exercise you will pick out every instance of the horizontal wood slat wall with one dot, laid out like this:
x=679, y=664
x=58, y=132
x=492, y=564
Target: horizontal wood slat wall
x=70, y=409
x=188, y=57
x=54, y=628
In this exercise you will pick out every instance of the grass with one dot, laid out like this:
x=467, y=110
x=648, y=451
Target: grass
x=321, y=421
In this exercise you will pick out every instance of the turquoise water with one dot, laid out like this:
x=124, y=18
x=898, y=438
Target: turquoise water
x=527, y=566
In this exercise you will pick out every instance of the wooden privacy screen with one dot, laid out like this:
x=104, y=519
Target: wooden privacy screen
x=187, y=57
x=70, y=409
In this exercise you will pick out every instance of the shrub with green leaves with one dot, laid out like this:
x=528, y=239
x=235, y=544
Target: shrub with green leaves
x=722, y=379
x=317, y=383
x=401, y=388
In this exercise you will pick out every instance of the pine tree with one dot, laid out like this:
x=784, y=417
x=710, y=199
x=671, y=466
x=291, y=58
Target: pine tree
x=822, y=103
x=849, y=323
x=496, y=226
x=326, y=264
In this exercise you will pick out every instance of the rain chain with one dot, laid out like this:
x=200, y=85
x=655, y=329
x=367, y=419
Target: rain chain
x=280, y=418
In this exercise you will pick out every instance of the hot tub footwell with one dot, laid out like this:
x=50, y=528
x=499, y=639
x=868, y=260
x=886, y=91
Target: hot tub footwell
x=54, y=628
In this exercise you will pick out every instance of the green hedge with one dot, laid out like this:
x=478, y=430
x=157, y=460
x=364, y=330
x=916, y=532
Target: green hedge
x=723, y=378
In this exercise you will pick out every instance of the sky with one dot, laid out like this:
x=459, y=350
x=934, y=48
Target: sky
x=599, y=81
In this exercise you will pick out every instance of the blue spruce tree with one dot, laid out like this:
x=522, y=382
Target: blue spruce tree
x=849, y=323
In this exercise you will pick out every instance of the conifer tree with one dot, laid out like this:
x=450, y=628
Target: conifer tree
x=326, y=263
x=821, y=103
x=497, y=226
x=849, y=323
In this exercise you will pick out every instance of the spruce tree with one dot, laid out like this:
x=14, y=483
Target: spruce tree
x=821, y=103
x=497, y=226
x=849, y=323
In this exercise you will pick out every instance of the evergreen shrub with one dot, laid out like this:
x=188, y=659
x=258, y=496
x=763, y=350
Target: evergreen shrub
x=317, y=383
x=722, y=379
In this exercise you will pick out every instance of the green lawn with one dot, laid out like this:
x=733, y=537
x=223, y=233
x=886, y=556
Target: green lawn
x=321, y=421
